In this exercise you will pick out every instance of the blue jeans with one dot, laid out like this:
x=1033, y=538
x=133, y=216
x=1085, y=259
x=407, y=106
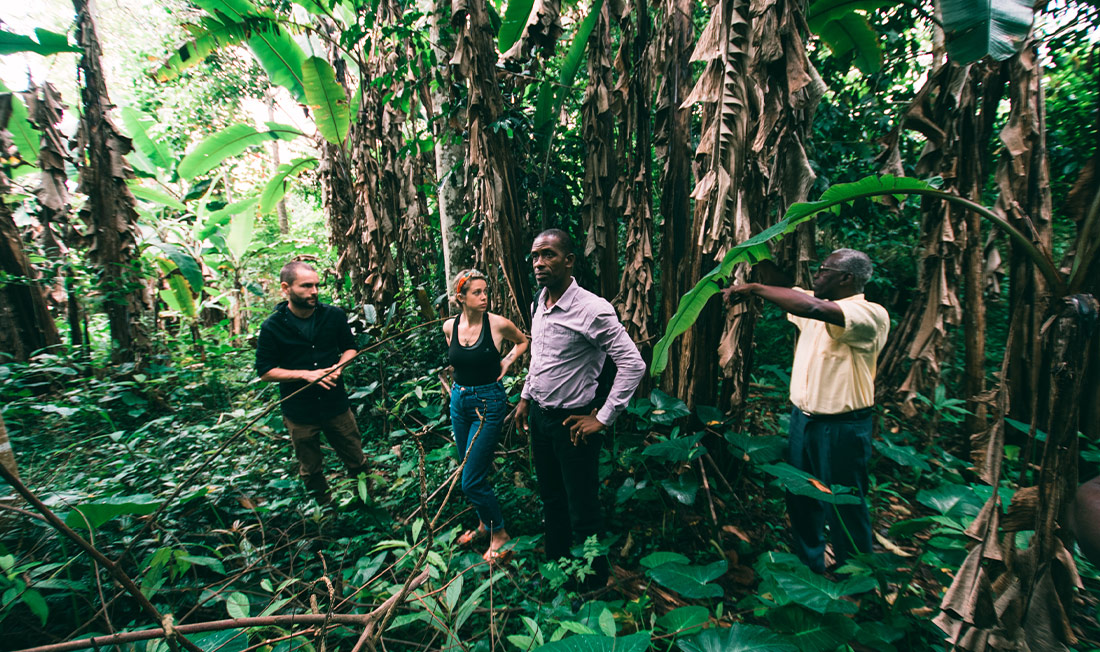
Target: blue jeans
x=477, y=414
x=835, y=449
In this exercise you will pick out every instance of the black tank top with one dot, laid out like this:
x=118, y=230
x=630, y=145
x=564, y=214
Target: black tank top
x=478, y=364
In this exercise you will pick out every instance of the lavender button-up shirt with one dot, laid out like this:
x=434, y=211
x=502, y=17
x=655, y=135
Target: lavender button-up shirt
x=569, y=343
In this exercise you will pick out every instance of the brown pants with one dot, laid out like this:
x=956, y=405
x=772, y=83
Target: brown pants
x=342, y=434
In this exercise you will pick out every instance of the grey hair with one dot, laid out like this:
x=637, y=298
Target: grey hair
x=853, y=262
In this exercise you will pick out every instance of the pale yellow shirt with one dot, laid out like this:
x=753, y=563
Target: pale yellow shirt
x=834, y=367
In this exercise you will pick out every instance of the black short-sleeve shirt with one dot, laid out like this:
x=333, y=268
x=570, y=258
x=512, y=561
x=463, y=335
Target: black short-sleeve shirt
x=282, y=344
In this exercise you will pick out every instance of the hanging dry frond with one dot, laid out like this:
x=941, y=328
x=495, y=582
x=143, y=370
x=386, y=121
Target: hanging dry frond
x=110, y=210
x=541, y=32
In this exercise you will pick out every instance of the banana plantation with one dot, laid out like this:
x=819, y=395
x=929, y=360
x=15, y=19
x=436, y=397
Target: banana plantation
x=164, y=160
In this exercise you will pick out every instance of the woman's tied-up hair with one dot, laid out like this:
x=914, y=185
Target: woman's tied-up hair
x=462, y=278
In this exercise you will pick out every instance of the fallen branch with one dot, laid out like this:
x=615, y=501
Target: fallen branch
x=232, y=623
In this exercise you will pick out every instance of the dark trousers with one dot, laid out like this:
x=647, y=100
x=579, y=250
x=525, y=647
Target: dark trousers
x=835, y=449
x=569, y=485
x=342, y=433
x=477, y=414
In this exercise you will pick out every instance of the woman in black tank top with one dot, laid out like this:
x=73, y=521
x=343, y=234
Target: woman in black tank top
x=478, y=403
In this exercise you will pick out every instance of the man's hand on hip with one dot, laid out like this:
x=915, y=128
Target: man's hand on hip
x=523, y=412
x=581, y=426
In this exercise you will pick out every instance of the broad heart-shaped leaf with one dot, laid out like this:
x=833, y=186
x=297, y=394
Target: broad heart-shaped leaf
x=25, y=137
x=237, y=605
x=228, y=142
x=680, y=449
x=156, y=197
x=660, y=558
x=801, y=483
x=737, y=638
x=755, y=249
x=952, y=500
x=903, y=455
x=812, y=632
x=327, y=99
x=683, y=488
x=47, y=43
x=100, y=511
x=276, y=188
x=186, y=263
x=761, y=449
x=513, y=22
x=817, y=593
x=976, y=28
x=666, y=409
x=852, y=33
x=137, y=124
x=638, y=642
x=229, y=640
x=684, y=619
x=279, y=55
x=690, y=581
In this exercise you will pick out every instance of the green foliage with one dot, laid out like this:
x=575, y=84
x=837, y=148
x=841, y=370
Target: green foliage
x=327, y=99
x=975, y=29
x=231, y=141
x=23, y=134
x=44, y=42
x=738, y=638
x=846, y=31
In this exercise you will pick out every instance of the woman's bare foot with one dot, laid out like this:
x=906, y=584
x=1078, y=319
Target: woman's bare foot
x=469, y=536
x=496, y=542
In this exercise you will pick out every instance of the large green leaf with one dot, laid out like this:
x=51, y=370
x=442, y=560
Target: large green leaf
x=852, y=33
x=755, y=249
x=44, y=43
x=137, y=124
x=692, y=582
x=327, y=99
x=27, y=139
x=513, y=22
x=209, y=35
x=953, y=500
x=683, y=488
x=737, y=638
x=279, y=55
x=666, y=408
x=638, y=642
x=679, y=449
x=684, y=619
x=228, y=142
x=551, y=96
x=800, y=483
x=974, y=29
x=760, y=449
x=98, y=512
x=812, y=632
x=185, y=262
x=276, y=188
x=241, y=229
x=817, y=593
x=156, y=197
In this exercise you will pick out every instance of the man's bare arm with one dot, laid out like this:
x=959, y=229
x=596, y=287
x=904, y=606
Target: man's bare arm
x=789, y=300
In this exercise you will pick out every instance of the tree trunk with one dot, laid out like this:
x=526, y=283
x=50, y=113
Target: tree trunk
x=110, y=208
x=7, y=454
x=280, y=206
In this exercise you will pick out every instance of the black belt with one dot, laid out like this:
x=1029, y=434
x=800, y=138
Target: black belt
x=854, y=415
x=564, y=412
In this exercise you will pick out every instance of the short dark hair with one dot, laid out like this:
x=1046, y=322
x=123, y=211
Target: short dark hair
x=563, y=238
x=289, y=273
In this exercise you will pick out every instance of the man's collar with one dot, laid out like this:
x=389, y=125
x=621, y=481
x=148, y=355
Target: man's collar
x=567, y=297
x=854, y=297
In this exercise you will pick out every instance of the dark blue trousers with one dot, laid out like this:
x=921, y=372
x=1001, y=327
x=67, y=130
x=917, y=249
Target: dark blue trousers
x=477, y=414
x=836, y=450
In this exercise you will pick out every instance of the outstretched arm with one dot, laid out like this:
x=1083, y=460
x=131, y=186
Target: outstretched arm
x=789, y=300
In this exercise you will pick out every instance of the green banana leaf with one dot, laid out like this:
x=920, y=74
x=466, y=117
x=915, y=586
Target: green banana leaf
x=327, y=99
x=228, y=142
x=279, y=55
x=156, y=197
x=241, y=229
x=551, y=96
x=47, y=43
x=850, y=32
x=153, y=151
x=208, y=36
x=27, y=139
x=185, y=262
x=276, y=188
x=513, y=22
x=178, y=295
x=974, y=29
x=822, y=11
x=756, y=249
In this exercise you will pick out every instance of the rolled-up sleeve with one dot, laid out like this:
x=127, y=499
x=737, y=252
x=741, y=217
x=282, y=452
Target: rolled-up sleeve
x=608, y=334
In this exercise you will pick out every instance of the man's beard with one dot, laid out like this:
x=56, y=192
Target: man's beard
x=300, y=302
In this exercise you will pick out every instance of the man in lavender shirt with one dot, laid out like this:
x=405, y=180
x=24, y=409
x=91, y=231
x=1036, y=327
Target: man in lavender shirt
x=573, y=332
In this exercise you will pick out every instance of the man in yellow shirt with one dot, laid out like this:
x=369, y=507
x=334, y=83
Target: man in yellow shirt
x=833, y=391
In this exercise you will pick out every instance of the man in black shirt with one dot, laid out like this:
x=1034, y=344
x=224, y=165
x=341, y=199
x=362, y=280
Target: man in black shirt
x=299, y=343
